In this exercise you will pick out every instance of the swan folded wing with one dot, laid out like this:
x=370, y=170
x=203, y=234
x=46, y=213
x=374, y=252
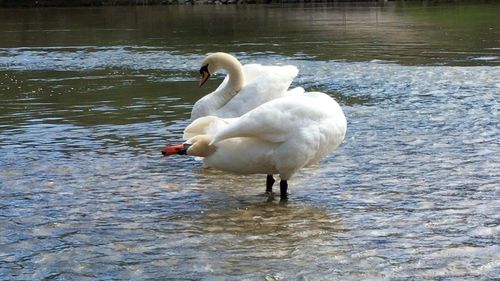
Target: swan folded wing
x=252, y=71
x=273, y=82
x=276, y=120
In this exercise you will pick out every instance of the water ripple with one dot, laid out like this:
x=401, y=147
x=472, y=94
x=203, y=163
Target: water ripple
x=412, y=193
x=91, y=57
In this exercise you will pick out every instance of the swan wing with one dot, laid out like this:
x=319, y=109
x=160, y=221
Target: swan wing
x=277, y=120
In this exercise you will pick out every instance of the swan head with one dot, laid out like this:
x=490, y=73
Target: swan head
x=196, y=146
x=217, y=61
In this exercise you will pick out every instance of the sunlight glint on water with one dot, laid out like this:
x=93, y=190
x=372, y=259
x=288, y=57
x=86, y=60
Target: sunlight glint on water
x=85, y=194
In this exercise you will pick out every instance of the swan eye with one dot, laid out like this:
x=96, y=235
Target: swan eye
x=204, y=69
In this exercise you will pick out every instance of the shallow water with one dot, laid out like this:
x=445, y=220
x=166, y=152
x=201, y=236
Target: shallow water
x=89, y=97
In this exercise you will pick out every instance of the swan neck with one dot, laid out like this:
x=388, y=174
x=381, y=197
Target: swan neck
x=200, y=146
x=236, y=77
x=236, y=81
x=233, y=83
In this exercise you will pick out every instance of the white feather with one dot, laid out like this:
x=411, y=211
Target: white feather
x=280, y=136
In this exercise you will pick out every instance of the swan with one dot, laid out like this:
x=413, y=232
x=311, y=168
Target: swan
x=278, y=137
x=244, y=87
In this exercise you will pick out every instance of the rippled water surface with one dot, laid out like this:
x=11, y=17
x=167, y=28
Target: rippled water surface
x=89, y=96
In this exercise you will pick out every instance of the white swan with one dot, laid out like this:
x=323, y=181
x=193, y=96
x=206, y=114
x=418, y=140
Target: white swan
x=244, y=88
x=278, y=137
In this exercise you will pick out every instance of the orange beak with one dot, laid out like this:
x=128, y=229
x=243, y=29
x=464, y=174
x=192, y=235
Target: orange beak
x=204, y=77
x=180, y=149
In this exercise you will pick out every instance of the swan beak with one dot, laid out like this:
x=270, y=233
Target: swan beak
x=204, y=78
x=205, y=74
x=180, y=149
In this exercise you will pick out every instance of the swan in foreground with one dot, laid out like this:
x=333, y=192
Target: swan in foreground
x=278, y=137
x=244, y=88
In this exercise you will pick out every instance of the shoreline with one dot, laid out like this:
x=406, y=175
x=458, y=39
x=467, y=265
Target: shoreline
x=111, y=3
x=108, y=3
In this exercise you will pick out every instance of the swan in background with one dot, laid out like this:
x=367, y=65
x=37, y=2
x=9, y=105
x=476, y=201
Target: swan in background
x=244, y=87
x=278, y=137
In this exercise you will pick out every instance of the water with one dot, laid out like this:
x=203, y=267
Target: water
x=89, y=97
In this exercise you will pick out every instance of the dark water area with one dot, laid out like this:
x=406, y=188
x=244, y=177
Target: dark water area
x=401, y=33
x=89, y=96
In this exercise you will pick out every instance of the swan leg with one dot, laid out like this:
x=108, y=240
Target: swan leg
x=269, y=184
x=283, y=190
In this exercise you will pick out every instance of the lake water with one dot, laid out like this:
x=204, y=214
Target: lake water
x=89, y=97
